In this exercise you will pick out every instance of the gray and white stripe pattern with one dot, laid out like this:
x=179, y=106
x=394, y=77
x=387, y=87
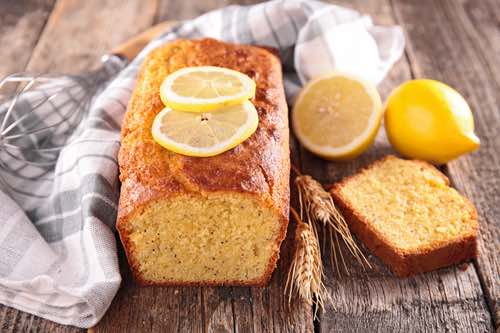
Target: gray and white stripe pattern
x=58, y=255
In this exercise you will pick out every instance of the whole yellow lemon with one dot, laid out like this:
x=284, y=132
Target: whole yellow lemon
x=429, y=120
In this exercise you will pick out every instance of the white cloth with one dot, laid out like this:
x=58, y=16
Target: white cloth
x=58, y=256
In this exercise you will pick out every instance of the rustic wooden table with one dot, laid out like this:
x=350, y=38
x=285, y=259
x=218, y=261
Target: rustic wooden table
x=456, y=41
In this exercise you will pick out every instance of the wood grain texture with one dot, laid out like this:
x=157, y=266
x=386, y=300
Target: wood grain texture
x=465, y=53
x=14, y=321
x=376, y=301
x=21, y=23
x=78, y=33
x=182, y=10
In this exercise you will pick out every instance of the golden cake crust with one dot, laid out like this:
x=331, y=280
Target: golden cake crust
x=402, y=262
x=258, y=167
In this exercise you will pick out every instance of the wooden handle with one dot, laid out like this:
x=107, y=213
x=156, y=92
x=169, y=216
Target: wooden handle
x=134, y=45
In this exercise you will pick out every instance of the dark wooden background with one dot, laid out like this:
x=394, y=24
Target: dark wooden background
x=456, y=41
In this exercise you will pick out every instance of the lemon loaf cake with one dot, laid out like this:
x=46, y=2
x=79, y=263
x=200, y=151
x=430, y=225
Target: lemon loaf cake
x=205, y=220
x=406, y=213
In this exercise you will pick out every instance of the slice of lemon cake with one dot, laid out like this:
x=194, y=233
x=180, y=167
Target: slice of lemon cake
x=406, y=213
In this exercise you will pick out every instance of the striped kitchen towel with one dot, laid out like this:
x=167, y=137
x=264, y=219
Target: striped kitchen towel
x=58, y=255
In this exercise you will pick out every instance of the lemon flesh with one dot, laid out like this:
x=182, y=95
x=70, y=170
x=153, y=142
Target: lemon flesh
x=428, y=120
x=205, y=134
x=337, y=116
x=205, y=88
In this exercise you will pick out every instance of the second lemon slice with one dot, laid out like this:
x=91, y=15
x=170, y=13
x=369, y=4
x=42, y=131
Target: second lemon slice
x=205, y=134
x=205, y=88
x=337, y=116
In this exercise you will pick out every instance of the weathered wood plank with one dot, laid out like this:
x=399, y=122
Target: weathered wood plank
x=447, y=300
x=218, y=309
x=465, y=52
x=182, y=10
x=13, y=321
x=78, y=33
x=75, y=36
x=21, y=23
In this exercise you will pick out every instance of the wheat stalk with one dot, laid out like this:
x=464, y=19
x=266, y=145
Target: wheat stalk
x=317, y=212
x=306, y=271
x=318, y=209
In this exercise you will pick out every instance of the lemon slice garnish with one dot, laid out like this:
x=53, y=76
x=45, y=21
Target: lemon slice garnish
x=205, y=134
x=337, y=116
x=205, y=88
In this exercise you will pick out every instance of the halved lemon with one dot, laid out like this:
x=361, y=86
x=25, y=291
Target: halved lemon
x=337, y=116
x=205, y=134
x=205, y=88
